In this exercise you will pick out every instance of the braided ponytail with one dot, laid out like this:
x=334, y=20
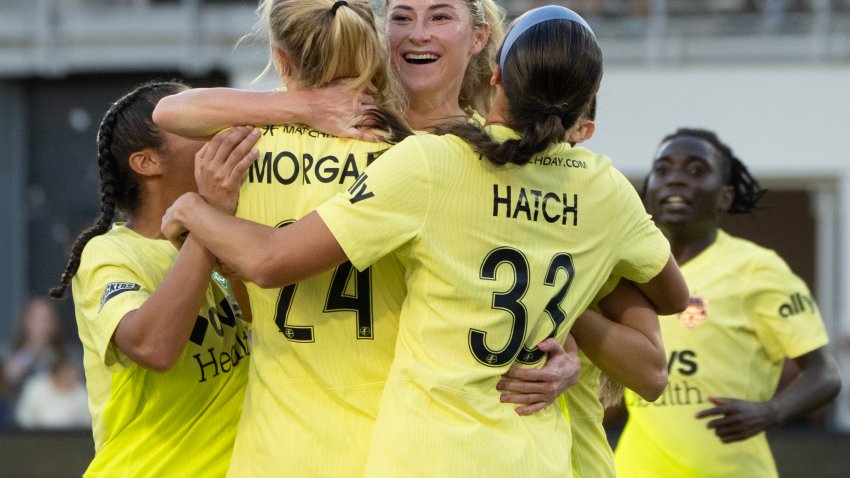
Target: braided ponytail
x=550, y=76
x=126, y=127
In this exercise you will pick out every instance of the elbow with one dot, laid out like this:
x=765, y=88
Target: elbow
x=654, y=386
x=165, y=115
x=673, y=303
x=155, y=358
x=832, y=385
x=263, y=273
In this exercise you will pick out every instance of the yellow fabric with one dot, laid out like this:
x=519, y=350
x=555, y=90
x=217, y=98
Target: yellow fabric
x=320, y=362
x=178, y=423
x=748, y=312
x=473, y=236
x=591, y=455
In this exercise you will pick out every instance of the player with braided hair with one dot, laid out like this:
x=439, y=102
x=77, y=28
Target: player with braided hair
x=747, y=313
x=165, y=343
x=500, y=252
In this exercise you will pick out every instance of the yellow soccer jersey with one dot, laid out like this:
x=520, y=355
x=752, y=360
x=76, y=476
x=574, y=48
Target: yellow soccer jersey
x=747, y=312
x=322, y=348
x=179, y=423
x=497, y=259
x=590, y=453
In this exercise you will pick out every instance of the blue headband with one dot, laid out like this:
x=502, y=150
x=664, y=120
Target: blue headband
x=533, y=17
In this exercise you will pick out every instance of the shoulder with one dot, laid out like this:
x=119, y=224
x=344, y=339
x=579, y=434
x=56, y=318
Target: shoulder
x=758, y=266
x=121, y=247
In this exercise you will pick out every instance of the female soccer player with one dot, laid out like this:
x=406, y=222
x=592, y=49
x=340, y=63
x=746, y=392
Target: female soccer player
x=501, y=250
x=165, y=345
x=746, y=314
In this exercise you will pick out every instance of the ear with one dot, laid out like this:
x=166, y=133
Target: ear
x=582, y=131
x=479, y=38
x=726, y=198
x=496, y=78
x=146, y=163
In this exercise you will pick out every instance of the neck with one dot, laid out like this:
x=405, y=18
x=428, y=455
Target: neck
x=686, y=242
x=146, y=220
x=500, y=110
x=424, y=112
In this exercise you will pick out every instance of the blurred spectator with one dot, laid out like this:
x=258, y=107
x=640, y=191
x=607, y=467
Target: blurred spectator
x=36, y=344
x=56, y=399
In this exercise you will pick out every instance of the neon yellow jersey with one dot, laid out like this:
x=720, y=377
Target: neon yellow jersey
x=497, y=259
x=322, y=348
x=179, y=423
x=591, y=455
x=747, y=312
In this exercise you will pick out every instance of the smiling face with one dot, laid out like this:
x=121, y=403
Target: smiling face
x=431, y=42
x=686, y=185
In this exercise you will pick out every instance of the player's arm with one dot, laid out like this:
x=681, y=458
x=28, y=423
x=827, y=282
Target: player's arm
x=267, y=256
x=627, y=348
x=667, y=291
x=155, y=334
x=817, y=383
x=535, y=388
x=201, y=112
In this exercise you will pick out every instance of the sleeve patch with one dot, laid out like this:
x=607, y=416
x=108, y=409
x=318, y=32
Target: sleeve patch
x=114, y=288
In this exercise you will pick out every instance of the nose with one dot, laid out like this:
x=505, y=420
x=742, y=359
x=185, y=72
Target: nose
x=421, y=33
x=675, y=177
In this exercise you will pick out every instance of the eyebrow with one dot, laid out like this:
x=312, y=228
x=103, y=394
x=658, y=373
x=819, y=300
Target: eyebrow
x=432, y=7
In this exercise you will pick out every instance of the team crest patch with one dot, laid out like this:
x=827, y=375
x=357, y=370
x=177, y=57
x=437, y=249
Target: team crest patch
x=696, y=312
x=114, y=288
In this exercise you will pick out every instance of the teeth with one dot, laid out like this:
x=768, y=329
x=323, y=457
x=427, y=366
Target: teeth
x=675, y=200
x=420, y=56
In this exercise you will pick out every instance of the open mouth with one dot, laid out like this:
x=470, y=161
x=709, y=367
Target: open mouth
x=420, y=58
x=674, y=201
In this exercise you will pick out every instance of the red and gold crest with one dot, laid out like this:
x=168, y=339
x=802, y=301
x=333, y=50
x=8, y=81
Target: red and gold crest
x=696, y=312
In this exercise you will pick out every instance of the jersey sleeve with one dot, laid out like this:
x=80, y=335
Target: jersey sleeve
x=789, y=323
x=385, y=208
x=644, y=251
x=110, y=291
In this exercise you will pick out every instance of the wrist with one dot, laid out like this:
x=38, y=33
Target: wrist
x=296, y=105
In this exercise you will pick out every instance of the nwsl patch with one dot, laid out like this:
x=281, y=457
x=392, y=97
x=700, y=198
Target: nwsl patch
x=114, y=288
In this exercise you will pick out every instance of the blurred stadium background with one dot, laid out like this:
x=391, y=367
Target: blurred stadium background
x=772, y=77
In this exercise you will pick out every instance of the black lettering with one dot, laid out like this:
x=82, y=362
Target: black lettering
x=546, y=199
x=358, y=190
x=224, y=359
x=276, y=167
x=227, y=316
x=688, y=360
x=536, y=195
x=214, y=323
x=203, y=366
x=570, y=210
x=350, y=169
x=261, y=170
x=499, y=200
x=307, y=165
x=327, y=174
x=688, y=390
x=199, y=330
x=522, y=205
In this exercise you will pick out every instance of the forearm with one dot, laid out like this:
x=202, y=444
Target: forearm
x=155, y=334
x=625, y=354
x=201, y=112
x=667, y=291
x=240, y=292
x=817, y=384
x=267, y=256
